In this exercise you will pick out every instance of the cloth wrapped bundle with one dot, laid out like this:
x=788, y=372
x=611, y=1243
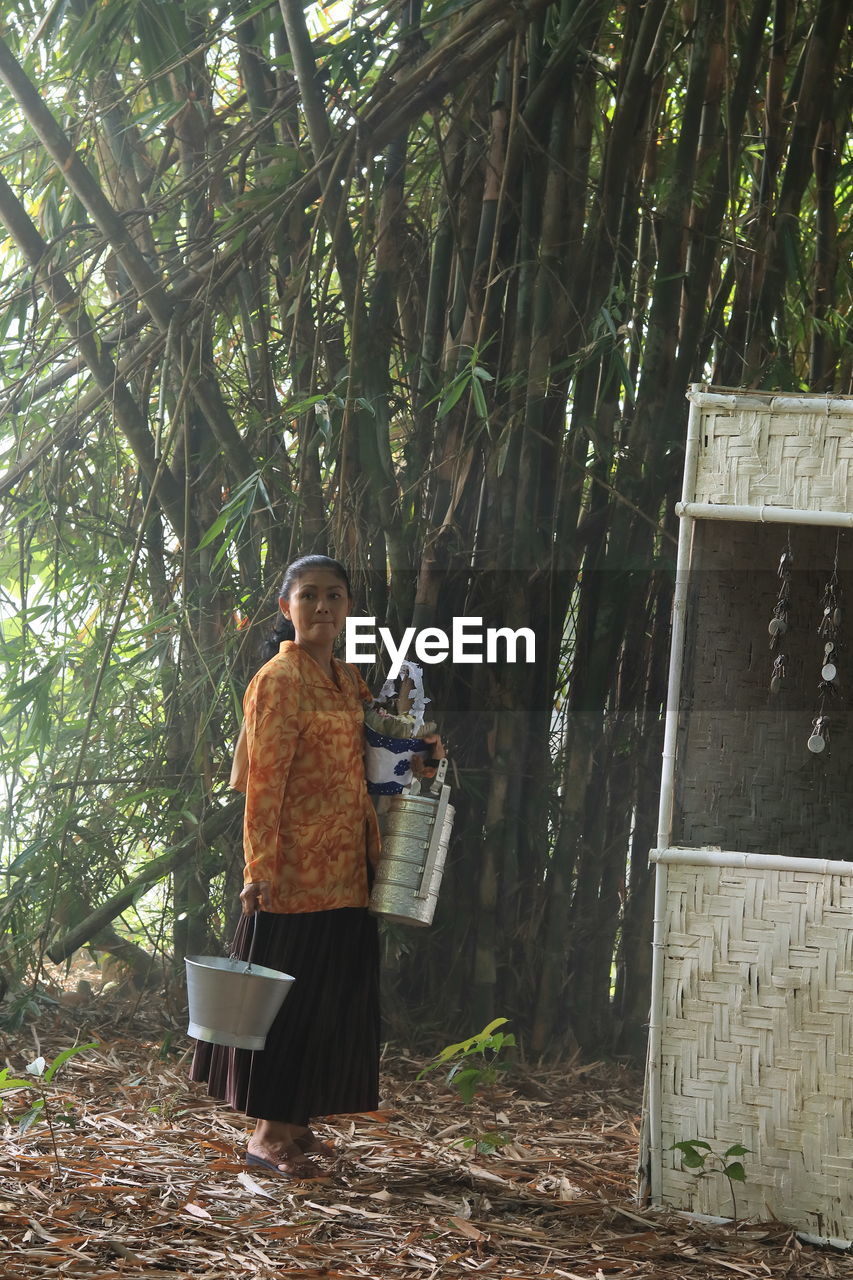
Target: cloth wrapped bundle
x=387, y=759
x=392, y=740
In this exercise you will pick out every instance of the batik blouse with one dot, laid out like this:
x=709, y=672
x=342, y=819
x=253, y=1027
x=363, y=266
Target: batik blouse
x=309, y=825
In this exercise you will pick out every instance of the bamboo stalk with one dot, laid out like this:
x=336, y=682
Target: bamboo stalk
x=818, y=74
x=321, y=137
x=149, y=288
x=78, y=324
x=656, y=425
x=592, y=273
x=157, y=869
x=443, y=68
x=84, y=186
x=707, y=220
x=194, y=291
x=823, y=355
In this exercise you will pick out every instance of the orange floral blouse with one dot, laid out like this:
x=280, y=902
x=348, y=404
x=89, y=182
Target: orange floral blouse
x=309, y=825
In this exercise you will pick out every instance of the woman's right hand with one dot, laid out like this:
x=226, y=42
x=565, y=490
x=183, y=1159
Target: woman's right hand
x=255, y=896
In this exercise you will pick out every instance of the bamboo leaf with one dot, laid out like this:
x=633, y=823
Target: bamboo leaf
x=453, y=396
x=62, y=1058
x=220, y=523
x=29, y=1118
x=479, y=399
x=8, y=1082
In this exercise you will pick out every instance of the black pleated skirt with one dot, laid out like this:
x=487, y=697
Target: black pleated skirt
x=322, y=1052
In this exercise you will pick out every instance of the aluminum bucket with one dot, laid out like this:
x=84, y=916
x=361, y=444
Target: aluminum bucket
x=415, y=835
x=233, y=1002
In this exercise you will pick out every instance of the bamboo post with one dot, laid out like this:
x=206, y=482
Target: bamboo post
x=676, y=667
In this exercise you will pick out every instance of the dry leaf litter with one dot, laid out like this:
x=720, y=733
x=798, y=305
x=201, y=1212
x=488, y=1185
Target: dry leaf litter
x=151, y=1181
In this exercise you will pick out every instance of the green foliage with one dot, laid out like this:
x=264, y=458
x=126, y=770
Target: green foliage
x=483, y=1050
x=700, y=1157
x=471, y=378
x=18, y=1009
x=477, y=1065
x=41, y=1075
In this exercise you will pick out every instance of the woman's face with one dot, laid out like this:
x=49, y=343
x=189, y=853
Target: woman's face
x=318, y=606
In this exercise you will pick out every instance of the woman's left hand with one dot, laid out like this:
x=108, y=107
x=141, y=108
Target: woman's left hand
x=255, y=896
x=420, y=768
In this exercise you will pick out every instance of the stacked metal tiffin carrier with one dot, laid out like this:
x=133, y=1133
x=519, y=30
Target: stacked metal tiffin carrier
x=415, y=834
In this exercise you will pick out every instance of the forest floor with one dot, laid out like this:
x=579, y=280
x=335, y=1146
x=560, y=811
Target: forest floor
x=150, y=1181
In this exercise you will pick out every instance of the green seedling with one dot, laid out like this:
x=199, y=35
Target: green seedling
x=42, y=1074
x=701, y=1158
x=20, y=1008
x=476, y=1066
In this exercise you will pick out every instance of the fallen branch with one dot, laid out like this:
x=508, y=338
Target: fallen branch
x=157, y=869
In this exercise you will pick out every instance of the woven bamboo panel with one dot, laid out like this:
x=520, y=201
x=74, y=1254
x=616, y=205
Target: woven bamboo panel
x=754, y=457
x=758, y=1042
x=744, y=778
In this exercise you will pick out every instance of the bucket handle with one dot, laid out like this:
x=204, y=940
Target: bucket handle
x=255, y=915
x=434, y=845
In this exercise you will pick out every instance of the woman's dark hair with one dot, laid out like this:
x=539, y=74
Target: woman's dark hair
x=283, y=629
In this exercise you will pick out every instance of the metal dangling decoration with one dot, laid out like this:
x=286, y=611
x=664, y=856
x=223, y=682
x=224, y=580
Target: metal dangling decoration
x=828, y=630
x=778, y=624
x=777, y=676
x=819, y=737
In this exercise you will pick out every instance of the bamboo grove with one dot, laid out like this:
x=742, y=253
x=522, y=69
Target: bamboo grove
x=422, y=286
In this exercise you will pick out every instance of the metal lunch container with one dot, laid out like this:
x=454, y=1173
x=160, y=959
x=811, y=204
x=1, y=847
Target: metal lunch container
x=415, y=835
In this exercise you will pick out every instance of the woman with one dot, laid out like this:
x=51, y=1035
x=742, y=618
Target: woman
x=310, y=836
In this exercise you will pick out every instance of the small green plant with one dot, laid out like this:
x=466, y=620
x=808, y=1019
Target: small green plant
x=20, y=1008
x=476, y=1066
x=42, y=1074
x=700, y=1157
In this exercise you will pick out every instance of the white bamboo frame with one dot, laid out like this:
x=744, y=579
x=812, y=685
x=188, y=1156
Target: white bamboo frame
x=676, y=664
x=683, y=856
x=767, y=401
x=765, y=514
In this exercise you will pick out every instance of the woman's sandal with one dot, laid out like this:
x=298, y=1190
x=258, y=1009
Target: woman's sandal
x=309, y=1144
x=292, y=1164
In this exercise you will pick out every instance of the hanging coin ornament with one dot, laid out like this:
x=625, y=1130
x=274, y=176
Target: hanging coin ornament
x=829, y=670
x=778, y=624
x=777, y=679
x=819, y=739
x=828, y=630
